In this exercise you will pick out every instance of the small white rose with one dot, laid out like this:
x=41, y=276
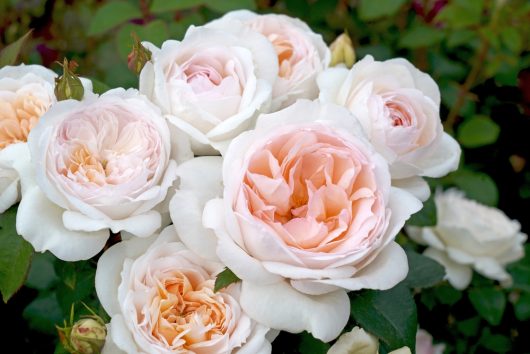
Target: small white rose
x=469, y=235
x=161, y=299
x=302, y=54
x=100, y=164
x=357, y=341
x=212, y=84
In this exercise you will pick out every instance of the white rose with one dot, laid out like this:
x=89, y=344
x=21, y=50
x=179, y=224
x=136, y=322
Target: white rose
x=299, y=192
x=101, y=163
x=469, y=236
x=161, y=300
x=26, y=93
x=302, y=54
x=424, y=344
x=212, y=84
x=398, y=107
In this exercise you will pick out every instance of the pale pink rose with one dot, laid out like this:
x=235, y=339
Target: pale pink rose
x=101, y=163
x=307, y=211
x=398, y=108
x=212, y=84
x=424, y=344
x=26, y=93
x=302, y=54
x=468, y=236
x=358, y=341
x=161, y=299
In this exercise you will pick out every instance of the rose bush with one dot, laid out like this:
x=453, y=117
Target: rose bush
x=301, y=53
x=161, y=299
x=307, y=211
x=101, y=164
x=468, y=236
x=212, y=84
x=398, y=108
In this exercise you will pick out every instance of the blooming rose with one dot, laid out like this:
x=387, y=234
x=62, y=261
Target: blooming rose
x=26, y=93
x=212, y=84
x=302, y=54
x=398, y=108
x=307, y=211
x=470, y=236
x=101, y=163
x=357, y=341
x=161, y=299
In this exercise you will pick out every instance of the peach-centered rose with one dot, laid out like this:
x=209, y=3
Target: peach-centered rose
x=101, y=163
x=26, y=93
x=165, y=300
x=307, y=211
x=316, y=191
x=302, y=54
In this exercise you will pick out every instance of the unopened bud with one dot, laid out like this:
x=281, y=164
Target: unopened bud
x=342, y=51
x=68, y=85
x=86, y=336
x=138, y=56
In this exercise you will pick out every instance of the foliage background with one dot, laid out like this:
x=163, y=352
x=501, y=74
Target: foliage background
x=478, y=51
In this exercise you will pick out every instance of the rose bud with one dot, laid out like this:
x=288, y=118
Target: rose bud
x=138, y=56
x=342, y=51
x=68, y=85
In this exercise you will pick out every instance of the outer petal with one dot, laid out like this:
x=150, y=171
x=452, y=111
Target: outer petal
x=442, y=159
x=39, y=221
x=110, y=265
x=258, y=343
x=121, y=336
x=200, y=181
x=280, y=306
x=415, y=186
x=384, y=272
x=458, y=275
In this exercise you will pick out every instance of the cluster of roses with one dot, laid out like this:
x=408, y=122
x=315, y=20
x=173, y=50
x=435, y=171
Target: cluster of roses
x=243, y=150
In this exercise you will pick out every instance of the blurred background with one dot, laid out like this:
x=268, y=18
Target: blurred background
x=478, y=51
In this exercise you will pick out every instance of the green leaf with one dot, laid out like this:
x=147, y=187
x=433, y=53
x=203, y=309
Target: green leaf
x=497, y=343
x=42, y=273
x=99, y=87
x=512, y=39
x=461, y=13
x=161, y=6
x=15, y=255
x=44, y=313
x=461, y=37
x=428, y=298
x=469, y=327
x=390, y=315
x=421, y=36
x=447, y=295
x=311, y=345
x=426, y=216
x=520, y=271
x=9, y=55
x=371, y=10
x=225, y=278
x=489, y=303
x=522, y=307
x=112, y=14
x=423, y=271
x=229, y=5
x=82, y=291
x=478, y=131
x=476, y=185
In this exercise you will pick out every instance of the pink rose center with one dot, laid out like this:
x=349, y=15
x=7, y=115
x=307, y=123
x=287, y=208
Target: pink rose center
x=399, y=111
x=314, y=190
x=19, y=116
x=105, y=152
